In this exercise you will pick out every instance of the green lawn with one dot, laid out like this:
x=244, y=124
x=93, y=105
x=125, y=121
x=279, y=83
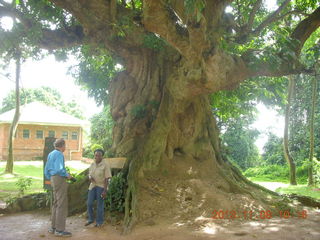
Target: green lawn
x=301, y=190
x=32, y=169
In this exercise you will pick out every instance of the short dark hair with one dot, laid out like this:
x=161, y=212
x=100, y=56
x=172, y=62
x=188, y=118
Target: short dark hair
x=99, y=150
x=60, y=142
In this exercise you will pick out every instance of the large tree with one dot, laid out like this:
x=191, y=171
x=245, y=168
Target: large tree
x=174, y=54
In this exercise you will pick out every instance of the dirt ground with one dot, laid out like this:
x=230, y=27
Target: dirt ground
x=34, y=225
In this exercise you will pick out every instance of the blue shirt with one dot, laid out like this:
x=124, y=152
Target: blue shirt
x=55, y=165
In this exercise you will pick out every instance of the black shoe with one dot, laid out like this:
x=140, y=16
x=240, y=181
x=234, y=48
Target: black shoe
x=88, y=223
x=51, y=230
x=62, y=234
x=98, y=225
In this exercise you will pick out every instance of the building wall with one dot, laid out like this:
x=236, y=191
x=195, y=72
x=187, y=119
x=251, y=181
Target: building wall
x=32, y=148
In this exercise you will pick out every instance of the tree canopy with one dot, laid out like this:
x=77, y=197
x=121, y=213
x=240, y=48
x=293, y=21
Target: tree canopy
x=249, y=38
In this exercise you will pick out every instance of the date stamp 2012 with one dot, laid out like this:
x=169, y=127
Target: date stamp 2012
x=256, y=215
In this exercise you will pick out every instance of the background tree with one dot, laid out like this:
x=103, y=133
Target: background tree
x=311, y=123
x=273, y=151
x=239, y=144
x=174, y=54
x=301, y=119
x=101, y=129
x=14, y=124
x=287, y=154
x=46, y=95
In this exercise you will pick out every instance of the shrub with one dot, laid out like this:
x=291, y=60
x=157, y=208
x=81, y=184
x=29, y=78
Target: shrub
x=95, y=147
x=23, y=184
x=116, y=194
x=87, y=153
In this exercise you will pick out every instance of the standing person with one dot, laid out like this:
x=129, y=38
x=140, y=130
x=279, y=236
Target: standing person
x=55, y=171
x=99, y=174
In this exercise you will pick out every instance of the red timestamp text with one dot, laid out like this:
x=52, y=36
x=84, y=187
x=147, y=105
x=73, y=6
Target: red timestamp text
x=256, y=215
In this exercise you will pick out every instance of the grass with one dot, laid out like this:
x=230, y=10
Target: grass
x=304, y=190
x=267, y=178
x=29, y=169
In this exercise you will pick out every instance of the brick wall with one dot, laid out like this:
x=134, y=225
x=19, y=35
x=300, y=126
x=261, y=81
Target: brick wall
x=31, y=148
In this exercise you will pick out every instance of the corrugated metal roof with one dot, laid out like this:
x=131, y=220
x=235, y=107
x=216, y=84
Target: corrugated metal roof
x=38, y=113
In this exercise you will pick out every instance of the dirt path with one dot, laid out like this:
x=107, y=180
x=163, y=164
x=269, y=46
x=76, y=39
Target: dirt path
x=272, y=185
x=34, y=225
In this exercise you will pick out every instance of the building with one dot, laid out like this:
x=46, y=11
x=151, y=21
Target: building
x=38, y=121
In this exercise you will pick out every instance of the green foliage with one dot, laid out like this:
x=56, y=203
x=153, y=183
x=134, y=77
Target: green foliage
x=87, y=153
x=299, y=140
x=116, y=194
x=316, y=171
x=101, y=129
x=10, y=200
x=238, y=143
x=139, y=111
x=95, y=147
x=23, y=184
x=273, y=151
x=230, y=105
x=94, y=72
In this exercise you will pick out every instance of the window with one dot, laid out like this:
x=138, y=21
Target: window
x=65, y=135
x=39, y=134
x=74, y=136
x=26, y=133
x=51, y=134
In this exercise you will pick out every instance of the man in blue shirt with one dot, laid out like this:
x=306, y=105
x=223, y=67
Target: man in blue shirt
x=55, y=171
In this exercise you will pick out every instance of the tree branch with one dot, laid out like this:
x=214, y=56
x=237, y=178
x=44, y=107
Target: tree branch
x=305, y=28
x=55, y=39
x=157, y=20
x=271, y=18
x=255, y=8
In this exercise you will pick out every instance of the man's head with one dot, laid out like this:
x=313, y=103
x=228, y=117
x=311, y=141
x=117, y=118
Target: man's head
x=60, y=144
x=98, y=155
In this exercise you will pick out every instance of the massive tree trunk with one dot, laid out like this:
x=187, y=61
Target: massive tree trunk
x=287, y=155
x=14, y=124
x=175, y=169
